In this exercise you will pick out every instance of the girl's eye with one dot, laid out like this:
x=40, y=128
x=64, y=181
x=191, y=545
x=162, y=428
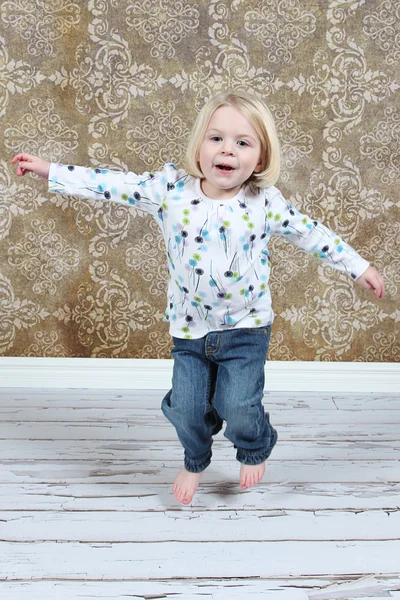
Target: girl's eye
x=215, y=138
x=242, y=143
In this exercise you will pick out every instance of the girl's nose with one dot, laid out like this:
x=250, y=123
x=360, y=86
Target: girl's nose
x=227, y=147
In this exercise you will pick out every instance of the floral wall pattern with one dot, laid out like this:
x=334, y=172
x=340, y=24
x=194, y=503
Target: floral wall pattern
x=117, y=84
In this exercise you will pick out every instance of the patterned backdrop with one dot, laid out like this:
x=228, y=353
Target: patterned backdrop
x=117, y=84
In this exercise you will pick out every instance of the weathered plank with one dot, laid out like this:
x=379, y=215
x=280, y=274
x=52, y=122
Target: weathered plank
x=23, y=397
x=195, y=526
x=130, y=472
x=210, y=497
x=150, y=417
x=155, y=450
x=119, y=561
x=160, y=429
x=141, y=590
x=334, y=588
x=99, y=399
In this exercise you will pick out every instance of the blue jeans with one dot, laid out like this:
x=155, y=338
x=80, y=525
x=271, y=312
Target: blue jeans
x=217, y=378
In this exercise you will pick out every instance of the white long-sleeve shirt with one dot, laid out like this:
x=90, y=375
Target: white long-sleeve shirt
x=217, y=251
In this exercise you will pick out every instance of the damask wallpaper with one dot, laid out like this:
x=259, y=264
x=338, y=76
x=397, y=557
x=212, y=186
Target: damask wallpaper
x=117, y=84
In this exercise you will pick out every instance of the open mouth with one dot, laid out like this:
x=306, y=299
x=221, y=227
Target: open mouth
x=226, y=168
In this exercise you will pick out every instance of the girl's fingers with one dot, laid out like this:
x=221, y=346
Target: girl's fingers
x=23, y=157
x=378, y=287
x=17, y=158
x=21, y=170
x=376, y=284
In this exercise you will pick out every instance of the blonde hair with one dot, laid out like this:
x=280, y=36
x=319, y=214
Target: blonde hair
x=260, y=117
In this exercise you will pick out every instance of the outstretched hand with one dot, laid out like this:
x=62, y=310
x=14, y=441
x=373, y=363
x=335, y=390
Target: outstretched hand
x=371, y=280
x=34, y=164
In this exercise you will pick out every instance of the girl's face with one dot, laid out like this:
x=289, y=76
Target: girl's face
x=229, y=154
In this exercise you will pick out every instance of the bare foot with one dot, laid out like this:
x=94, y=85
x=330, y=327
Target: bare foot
x=185, y=485
x=251, y=474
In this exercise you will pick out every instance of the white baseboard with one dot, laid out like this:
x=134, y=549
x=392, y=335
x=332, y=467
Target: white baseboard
x=144, y=374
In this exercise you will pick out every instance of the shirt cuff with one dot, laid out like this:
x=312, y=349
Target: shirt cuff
x=361, y=267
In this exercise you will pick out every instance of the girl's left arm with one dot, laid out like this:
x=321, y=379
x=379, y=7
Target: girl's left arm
x=319, y=241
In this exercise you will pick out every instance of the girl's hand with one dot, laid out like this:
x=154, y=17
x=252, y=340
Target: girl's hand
x=371, y=280
x=27, y=162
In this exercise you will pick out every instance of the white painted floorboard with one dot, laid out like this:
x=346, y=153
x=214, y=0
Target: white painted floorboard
x=86, y=508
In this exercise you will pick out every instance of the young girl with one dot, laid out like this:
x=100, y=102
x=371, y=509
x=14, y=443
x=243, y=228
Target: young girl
x=217, y=217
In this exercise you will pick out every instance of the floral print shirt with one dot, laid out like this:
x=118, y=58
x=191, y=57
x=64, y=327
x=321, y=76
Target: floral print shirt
x=217, y=251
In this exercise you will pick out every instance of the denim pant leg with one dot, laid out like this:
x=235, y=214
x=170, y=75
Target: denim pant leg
x=188, y=405
x=239, y=391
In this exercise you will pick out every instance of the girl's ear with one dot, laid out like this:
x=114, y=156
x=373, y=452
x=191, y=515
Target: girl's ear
x=258, y=166
x=262, y=163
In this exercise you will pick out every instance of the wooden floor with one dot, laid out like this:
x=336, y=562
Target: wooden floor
x=86, y=509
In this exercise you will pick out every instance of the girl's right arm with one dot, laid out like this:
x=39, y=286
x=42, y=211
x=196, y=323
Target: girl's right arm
x=146, y=192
